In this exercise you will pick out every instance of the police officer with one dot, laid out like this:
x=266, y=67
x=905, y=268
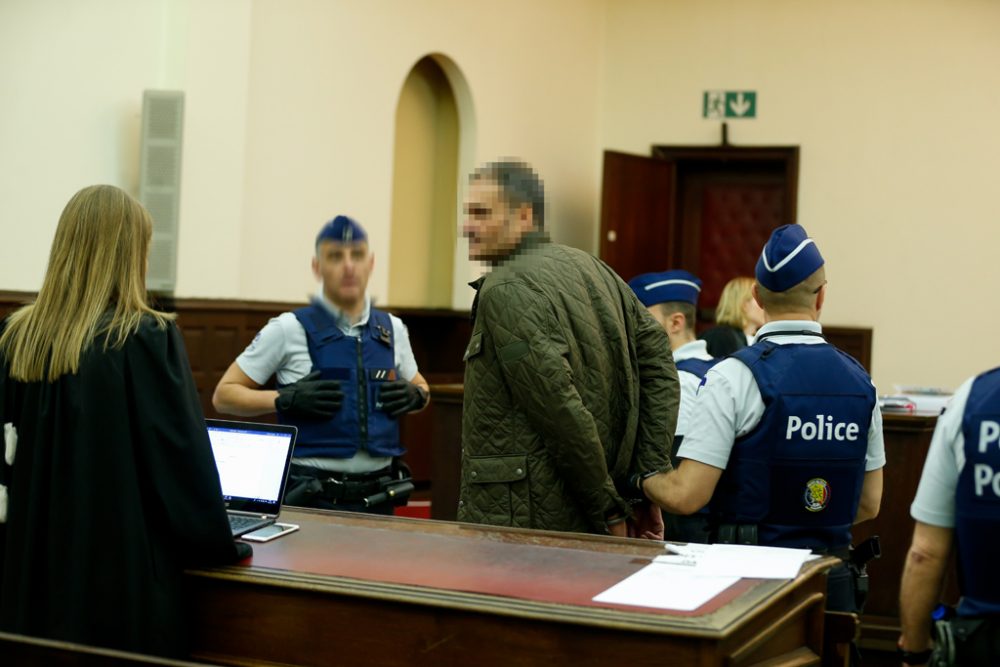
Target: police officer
x=958, y=497
x=786, y=432
x=671, y=297
x=345, y=374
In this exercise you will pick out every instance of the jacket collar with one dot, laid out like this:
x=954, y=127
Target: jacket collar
x=532, y=239
x=529, y=240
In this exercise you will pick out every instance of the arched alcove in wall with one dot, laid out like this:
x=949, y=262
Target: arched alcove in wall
x=431, y=155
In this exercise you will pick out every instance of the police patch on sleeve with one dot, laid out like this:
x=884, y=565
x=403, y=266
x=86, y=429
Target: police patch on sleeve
x=817, y=494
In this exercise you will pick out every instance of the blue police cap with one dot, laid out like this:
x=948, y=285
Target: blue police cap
x=788, y=258
x=654, y=288
x=342, y=230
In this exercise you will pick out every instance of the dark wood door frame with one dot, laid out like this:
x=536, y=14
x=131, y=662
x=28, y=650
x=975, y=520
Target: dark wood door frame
x=692, y=159
x=697, y=168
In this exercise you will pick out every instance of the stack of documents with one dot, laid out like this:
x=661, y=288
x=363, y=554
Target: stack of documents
x=926, y=400
x=689, y=575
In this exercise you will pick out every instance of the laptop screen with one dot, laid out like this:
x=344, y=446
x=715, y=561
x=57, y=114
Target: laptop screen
x=252, y=460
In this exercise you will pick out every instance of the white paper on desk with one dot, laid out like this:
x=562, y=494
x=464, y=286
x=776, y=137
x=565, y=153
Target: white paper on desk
x=666, y=587
x=737, y=560
x=682, y=554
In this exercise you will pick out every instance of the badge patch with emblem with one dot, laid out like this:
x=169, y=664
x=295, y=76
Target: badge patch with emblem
x=817, y=494
x=384, y=334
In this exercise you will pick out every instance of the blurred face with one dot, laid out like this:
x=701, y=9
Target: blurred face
x=344, y=269
x=493, y=229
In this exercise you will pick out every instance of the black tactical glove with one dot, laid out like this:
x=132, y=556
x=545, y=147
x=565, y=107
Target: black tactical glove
x=399, y=397
x=310, y=397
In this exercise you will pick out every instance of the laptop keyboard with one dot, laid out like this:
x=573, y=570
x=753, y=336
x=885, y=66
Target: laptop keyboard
x=242, y=524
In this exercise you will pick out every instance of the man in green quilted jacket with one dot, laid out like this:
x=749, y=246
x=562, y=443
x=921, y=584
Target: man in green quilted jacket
x=570, y=386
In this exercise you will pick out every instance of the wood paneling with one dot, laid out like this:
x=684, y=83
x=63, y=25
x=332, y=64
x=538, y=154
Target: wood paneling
x=855, y=341
x=216, y=331
x=445, y=445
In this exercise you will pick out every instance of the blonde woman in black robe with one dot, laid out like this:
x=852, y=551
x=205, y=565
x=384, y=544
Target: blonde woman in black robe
x=737, y=318
x=108, y=487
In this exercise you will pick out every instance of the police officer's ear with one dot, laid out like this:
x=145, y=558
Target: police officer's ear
x=315, y=266
x=756, y=294
x=676, y=322
x=820, y=297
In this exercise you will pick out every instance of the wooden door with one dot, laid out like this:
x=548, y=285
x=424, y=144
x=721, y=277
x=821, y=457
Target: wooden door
x=637, y=213
x=728, y=202
x=708, y=210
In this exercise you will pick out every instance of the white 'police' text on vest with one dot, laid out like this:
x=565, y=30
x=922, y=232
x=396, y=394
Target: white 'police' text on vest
x=824, y=428
x=983, y=473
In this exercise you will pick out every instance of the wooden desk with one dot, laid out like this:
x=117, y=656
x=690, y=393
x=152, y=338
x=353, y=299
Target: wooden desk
x=359, y=590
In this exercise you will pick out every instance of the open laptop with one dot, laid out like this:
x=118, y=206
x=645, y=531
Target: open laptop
x=253, y=461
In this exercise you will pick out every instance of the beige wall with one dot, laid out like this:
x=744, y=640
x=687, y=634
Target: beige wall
x=290, y=115
x=289, y=119
x=71, y=82
x=892, y=104
x=325, y=80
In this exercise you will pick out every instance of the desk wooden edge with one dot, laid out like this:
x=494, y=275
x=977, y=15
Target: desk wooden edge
x=725, y=620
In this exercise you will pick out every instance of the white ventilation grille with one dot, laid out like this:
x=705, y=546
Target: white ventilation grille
x=160, y=181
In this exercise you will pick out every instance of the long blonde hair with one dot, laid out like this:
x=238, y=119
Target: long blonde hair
x=94, y=285
x=734, y=295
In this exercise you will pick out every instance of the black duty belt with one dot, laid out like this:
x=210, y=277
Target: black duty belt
x=843, y=553
x=345, y=486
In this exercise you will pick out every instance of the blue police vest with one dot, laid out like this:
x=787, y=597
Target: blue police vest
x=798, y=474
x=696, y=367
x=361, y=365
x=977, y=499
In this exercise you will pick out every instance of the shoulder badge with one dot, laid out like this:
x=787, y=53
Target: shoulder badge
x=384, y=334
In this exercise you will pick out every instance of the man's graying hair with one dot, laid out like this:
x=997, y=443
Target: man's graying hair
x=519, y=185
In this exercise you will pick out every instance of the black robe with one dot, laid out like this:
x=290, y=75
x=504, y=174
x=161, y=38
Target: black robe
x=723, y=340
x=112, y=491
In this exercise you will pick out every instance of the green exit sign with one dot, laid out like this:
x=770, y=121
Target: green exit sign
x=729, y=104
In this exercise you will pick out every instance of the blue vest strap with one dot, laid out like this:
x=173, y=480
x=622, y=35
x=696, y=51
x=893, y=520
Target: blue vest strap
x=696, y=367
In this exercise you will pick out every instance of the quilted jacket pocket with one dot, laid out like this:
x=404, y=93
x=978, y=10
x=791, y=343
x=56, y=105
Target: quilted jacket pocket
x=501, y=490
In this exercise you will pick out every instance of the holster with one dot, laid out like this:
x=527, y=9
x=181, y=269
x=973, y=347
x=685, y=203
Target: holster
x=396, y=488
x=301, y=489
x=862, y=585
x=857, y=562
x=733, y=533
